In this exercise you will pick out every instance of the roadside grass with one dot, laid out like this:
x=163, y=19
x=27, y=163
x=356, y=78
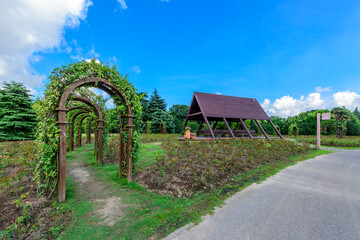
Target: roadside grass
x=331, y=141
x=347, y=148
x=149, y=215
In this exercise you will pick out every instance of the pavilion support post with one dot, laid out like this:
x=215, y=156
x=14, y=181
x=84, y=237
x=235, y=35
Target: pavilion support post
x=246, y=129
x=262, y=129
x=88, y=133
x=100, y=147
x=62, y=155
x=71, y=141
x=228, y=128
x=129, y=147
x=201, y=123
x=276, y=130
x=209, y=126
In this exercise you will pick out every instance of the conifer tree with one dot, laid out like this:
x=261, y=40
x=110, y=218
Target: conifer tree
x=156, y=103
x=17, y=118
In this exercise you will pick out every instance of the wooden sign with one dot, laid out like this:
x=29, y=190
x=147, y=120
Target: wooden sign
x=326, y=116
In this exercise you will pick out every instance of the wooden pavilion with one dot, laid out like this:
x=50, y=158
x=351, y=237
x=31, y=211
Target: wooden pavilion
x=206, y=107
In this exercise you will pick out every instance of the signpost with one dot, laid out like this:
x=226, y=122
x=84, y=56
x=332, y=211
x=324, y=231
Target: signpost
x=324, y=116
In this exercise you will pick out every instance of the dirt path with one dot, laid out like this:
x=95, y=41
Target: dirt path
x=89, y=187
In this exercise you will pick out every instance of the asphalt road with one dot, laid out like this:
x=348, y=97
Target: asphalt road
x=315, y=199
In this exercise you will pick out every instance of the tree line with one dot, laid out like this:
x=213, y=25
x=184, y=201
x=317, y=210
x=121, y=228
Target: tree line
x=18, y=119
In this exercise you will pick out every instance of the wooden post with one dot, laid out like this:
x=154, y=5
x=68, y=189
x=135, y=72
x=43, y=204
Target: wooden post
x=88, y=133
x=318, y=131
x=96, y=144
x=100, y=147
x=261, y=128
x=62, y=155
x=79, y=135
x=71, y=141
x=129, y=147
x=208, y=124
x=276, y=130
x=121, y=146
x=246, y=129
x=228, y=127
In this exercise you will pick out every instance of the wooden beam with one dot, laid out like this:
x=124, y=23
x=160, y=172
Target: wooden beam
x=205, y=118
x=208, y=124
x=194, y=114
x=261, y=128
x=246, y=129
x=228, y=127
x=276, y=130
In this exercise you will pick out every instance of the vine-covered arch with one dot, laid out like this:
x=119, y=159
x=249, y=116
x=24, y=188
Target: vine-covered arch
x=52, y=127
x=99, y=132
x=71, y=124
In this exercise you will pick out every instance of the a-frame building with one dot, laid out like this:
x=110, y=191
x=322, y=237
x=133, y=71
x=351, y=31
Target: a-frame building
x=206, y=107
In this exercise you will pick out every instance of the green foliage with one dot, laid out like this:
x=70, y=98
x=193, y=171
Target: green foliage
x=17, y=118
x=357, y=113
x=162, y=116
x=293, y=130
x=179, y=113
x=48, y=130
x=332, y=141
x=114, y=120
x=148, y=127
x=193, y=125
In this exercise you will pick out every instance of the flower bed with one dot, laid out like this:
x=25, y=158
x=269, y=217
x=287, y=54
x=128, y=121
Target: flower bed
x=192, y=166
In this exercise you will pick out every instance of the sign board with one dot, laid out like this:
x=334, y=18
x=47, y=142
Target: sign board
x=326, y=116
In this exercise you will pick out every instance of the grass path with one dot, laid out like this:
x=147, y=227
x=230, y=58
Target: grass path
x=98, y=206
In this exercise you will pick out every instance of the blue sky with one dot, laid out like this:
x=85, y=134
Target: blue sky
x=290, y=55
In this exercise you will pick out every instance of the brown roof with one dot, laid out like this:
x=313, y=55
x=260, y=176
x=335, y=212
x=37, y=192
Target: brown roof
x=217, y=106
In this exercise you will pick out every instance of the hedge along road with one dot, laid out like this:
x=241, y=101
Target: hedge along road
x=315, y=199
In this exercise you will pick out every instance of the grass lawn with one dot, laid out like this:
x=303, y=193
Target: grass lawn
x=149, y=214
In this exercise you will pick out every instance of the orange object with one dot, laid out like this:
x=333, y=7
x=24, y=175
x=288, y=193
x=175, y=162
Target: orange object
x=187, y=134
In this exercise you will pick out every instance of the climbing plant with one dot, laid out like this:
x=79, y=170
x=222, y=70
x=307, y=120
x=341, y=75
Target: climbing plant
x=48, y=129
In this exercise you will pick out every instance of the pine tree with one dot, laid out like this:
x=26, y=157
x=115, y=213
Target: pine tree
x=161, y=116
x=156, y=103
x=17, y=118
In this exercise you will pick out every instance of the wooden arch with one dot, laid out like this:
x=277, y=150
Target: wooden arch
x=79, y=128
x=114, y=92
x=99, y=132
x=71, y=123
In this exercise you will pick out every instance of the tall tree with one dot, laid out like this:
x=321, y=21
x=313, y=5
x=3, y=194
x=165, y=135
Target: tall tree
x=17, y=118
x=179, y=112
x=156, y=102
x=159, y=117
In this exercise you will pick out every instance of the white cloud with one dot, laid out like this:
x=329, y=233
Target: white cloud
x=30, y=27
x=89, y=60
x=122, y=4
x=348, y=99
x=321, y=89
x=218, y=93
x=289, y=106
x=136, y=69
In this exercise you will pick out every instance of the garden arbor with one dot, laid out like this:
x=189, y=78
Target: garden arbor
x=109, y=88
x=65, y=83
x=207, y=107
